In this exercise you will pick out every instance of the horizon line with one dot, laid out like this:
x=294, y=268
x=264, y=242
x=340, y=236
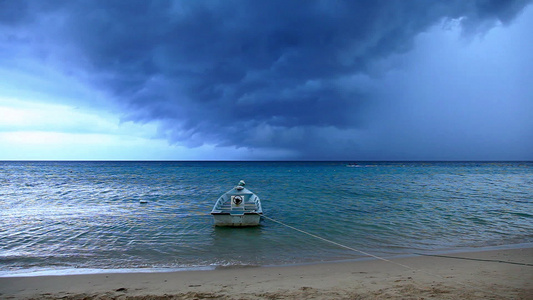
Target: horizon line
x=255, y=160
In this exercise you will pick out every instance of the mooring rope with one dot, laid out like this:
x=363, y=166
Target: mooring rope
x=380, y=258
x=340, y=245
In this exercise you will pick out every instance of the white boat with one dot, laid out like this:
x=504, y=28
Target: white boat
x=237, y=207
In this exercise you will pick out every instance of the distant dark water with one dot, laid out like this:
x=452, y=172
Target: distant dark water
x=87, y=215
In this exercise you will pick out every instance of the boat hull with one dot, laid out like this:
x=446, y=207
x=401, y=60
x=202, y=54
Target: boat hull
x=230, y=220
x=238, y=207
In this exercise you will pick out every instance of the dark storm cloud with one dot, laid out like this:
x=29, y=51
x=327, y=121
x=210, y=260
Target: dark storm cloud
x=257, y=74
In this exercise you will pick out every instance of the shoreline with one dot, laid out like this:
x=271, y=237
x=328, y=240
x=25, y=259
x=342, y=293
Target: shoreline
x=490, y=274
x=91, y=271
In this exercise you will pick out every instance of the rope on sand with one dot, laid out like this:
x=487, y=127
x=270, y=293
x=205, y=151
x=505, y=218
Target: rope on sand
x=477, y=259
x=380, y=258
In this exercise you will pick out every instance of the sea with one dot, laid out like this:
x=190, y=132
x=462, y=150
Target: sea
x=84, y=217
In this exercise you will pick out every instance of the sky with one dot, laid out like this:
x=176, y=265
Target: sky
x=266, y=80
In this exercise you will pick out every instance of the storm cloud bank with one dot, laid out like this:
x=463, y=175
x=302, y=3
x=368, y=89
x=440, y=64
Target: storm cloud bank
x=282, y=75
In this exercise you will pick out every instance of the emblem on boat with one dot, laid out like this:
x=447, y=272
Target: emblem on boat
x=237, y=200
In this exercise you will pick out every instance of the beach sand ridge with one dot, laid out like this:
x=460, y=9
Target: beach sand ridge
x=498, y=274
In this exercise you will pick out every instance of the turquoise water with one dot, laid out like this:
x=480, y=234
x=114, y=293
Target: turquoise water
x=87, y=215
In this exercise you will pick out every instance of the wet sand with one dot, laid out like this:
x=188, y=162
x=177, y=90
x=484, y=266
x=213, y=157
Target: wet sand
x=497, y=274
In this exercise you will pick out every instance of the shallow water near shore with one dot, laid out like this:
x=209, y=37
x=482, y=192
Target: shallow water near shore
x=87, y=215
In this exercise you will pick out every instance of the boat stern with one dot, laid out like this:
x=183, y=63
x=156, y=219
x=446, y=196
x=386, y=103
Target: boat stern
x=236, y=220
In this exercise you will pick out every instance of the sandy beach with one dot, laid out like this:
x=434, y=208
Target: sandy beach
x=497, y=274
